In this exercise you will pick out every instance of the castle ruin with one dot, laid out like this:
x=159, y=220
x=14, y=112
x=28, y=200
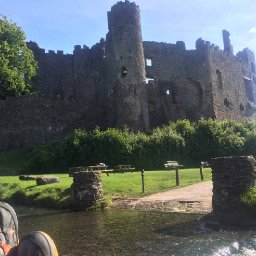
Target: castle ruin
x=123, y=81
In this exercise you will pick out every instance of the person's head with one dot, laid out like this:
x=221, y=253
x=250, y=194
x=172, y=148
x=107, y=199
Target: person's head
x=36, y=243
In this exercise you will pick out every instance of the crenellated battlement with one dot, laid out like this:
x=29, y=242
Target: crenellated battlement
x=206, y=46
x=180, y=45
x=121, y=4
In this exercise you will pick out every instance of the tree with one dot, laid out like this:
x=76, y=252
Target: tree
x=17, y=63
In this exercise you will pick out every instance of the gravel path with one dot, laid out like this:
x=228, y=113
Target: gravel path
x=195, y=198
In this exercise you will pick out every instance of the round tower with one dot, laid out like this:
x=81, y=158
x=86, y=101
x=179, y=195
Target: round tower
x=125, y=49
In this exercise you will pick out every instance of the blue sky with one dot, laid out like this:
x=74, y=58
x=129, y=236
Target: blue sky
x=61, y=24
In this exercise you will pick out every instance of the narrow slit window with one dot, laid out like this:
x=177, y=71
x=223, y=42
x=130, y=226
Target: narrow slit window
x=123, y=71
x=219, y=79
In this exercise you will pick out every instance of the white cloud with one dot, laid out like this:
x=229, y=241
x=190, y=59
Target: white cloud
x=252, y=30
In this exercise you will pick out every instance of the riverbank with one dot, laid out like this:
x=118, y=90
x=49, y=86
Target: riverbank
x=122, y=189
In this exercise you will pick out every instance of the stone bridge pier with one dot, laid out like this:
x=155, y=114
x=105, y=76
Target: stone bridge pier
x=87, y=189
x=231, y=177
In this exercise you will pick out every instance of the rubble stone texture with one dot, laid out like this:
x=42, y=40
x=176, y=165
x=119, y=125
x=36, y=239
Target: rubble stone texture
x=43, y=180
x=87, y=189
x=231, y=177
x=123, y=81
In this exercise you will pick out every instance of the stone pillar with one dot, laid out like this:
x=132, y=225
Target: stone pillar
x=87, y=189
x=231, y=177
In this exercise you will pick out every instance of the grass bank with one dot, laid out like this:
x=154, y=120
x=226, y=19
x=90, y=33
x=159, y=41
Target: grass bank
x=127, y=185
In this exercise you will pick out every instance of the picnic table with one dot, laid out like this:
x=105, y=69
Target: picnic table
x=174, y=165
x=202, y=165
x=122, y=168
x=99, y=167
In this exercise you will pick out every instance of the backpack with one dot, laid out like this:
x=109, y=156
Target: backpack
x=34, y=241
x=8, y=228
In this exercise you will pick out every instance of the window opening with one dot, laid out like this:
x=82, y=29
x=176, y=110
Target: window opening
x=130, y=53
x=149, y=80
x=123, y=72
x=148, y=62
x=226, y=102
x=241, y=107
x=219, y=79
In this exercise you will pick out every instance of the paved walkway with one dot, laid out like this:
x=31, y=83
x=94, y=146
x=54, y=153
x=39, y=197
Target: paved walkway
x=195, y=198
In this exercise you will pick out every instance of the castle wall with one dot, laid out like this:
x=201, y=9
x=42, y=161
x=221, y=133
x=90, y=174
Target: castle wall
x=125, y=82
x=231, y=98
x=30, y=120
x=249, y=71
x=181, y=87
x=55, y=76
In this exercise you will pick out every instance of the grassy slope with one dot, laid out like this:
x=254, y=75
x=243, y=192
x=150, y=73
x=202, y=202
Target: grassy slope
x=114, y=186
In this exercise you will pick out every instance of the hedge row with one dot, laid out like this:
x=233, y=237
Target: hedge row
x=183, y=141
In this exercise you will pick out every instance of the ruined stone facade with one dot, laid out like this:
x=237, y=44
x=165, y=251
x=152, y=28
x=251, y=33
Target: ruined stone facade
x=125, y=82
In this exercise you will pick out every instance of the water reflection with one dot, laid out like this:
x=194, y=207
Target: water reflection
x=134, y=233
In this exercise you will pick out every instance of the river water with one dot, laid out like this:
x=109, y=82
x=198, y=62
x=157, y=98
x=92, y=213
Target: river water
x=117, y=232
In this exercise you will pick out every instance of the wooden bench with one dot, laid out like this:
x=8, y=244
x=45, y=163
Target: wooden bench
x=122, y=168
x=96, y=167
x=174, y=165
x=91, y=168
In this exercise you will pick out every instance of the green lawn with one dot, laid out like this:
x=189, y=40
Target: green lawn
x=114, y=186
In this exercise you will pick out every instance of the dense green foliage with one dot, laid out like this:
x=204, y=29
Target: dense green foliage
x=17, y=64
x=12, y=162
x=114, y=186
x=188, y=143
x=248, y=199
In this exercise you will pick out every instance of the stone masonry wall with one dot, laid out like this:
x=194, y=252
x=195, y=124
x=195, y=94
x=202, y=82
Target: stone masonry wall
x=87, y=189
x=181, y=87
x=30, y=120
x=230, y=99
x=231, y=177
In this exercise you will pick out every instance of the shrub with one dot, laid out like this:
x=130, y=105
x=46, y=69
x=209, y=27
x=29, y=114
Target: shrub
x=248, y=199
x=185, y=142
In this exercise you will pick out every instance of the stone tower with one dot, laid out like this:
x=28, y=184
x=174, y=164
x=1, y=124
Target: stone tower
x=228, y=48
x=124, y=51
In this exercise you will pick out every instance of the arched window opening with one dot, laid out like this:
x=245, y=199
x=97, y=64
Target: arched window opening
x=226, y=102
x=219, y=79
